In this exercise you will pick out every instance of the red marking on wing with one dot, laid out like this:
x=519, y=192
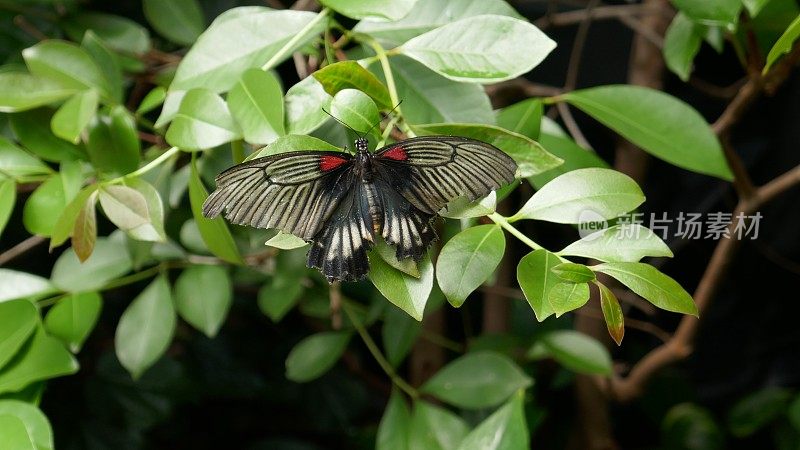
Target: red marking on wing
x=327, y=162
x=397, y=154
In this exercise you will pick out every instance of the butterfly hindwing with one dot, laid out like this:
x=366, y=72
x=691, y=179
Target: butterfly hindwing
x=293, y=192
x=404, y=226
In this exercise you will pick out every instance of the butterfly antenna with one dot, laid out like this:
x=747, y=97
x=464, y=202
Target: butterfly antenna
x=387, y=115
x=336, y=119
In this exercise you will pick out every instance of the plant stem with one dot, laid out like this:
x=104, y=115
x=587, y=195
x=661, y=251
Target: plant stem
x=387, y=73
x=503, y=222
x=147, y=167
x=295, y=39
x=376, y=353
x=237, y=151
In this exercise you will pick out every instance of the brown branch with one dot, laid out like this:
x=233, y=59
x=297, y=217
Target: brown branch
x=335, y=293
x=572, y=125
x=21, y=248
x=23, y=24
x=561, y=19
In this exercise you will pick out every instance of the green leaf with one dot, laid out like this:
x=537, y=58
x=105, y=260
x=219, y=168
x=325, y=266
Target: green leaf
x=146, y=327
x=477, y=380
x=356, y=109
x=108, y=61
x=462, y=208
x=8, y=197
x=524, y=117
x=531, y=158
x=711, y=12
x=619, y=243
x=315, y=355
x=285, y=241
x=574, y=156
x=214, y=231
x=153, y=229
x=243, y=38
x=435, y=428
x=41, y=358
x=180, y=21
x=431, y=98
x=120, y=33
x=794, y=413
x=350, y=75
x=681, y=44
x=114, y=145
x=406, y=292
x=754, y=6
x=660, y=124
x=67, y=64
x=277, y=298
x=650, y=284
x=578, y=352
x=429, y=14
x=688, y=426
x=612, y=313
x=16, y=162
x=574, y=273
x=292, y=143
x=21, y=91
x=109, y=260
x=388, y=254
x=536, y=279
x=468, y=260
x=84, y=230
x=39, y=214
x=124, y=206
x=152, y=100
x=73, y=318
x=491, y=54
x=256, y=102
x=566, y=296
x=399, y=333
x=14, y=284
x=15, y=435
x=32, y=129
x=35, y=425
x=783, y=45
x=18, y=319
x=393, y=430
x=203, y=296
x=74, y=115
x=757, y=410
x=583, y=195
x=371, y=9
x=505, y=429
x=304, y=106
x=169, y=108
x=203, y=121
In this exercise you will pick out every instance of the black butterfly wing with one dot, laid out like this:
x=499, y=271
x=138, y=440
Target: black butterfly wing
x=404, y=226
x=431, y=171
x=295, y=192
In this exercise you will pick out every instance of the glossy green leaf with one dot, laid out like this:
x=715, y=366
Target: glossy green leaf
x=256, y=102
x=84, y=230
x=315, y=355
x=356, y=109
x=574, y=273
x=15, y=284
x=406, y=292
x=583, y=195
x=304, y=106
x=67, y=64
x=73, y=318
x=567, y=296
x=20, y=91
x=477, y=380
x=152, y=100
x=145, y=329
x=793, y=413
x=41, y=358
x=573, y=155
x=63, y=228
x=681, y=44
x=203, y=121
x=74, y=115
x=660, y=124
x=388, y=254
x=35, y=424
x=8, y=197
x=214, y=231
x=612, y=313
x=429, y=14
x=285, y=241
x=292, y=143
x=114, y=145
x=108, y=61
x=505, y=429
x=180, y=21
x=651, y=284
x=399, y=333
x=431, y=98
x=172, y=101
x=38, y=214
x=393, y=430
x=153, y=229
x=536, y=279
x=435, y=428
x=578, y=352
x=784, y=44
x=462, y=208
x=468, y=260
x=689, y=426
x=757, y=410
x=350, y=75
x=371, y=9
x=18, y=319
x=754, y=6
x=491, y=54
x=524, y=117
x=277, y=298
x=16, y=162
x=203, y=296
x=619, y=243
x=109, y=260
x=241, y=39
x=531, y=158
x=32, y=129
x=14, y=434
x=120, y=33
x=124, y=206
x=711, y=12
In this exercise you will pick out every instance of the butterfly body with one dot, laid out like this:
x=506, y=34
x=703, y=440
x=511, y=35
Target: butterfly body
x=341, y=202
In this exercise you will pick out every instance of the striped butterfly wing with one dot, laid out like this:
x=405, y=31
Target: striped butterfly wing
x=295, y=192
x=431, y=171
x=403, y=225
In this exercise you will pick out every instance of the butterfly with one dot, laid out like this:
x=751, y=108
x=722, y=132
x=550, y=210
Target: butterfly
x=340, y=202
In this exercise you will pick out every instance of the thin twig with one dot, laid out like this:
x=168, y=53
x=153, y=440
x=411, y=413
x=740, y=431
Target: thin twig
x=600, y=13
x=572, y=125
x=335, y=294
x=21, y=248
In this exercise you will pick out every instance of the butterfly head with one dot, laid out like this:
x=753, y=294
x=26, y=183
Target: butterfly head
x=362, y=146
